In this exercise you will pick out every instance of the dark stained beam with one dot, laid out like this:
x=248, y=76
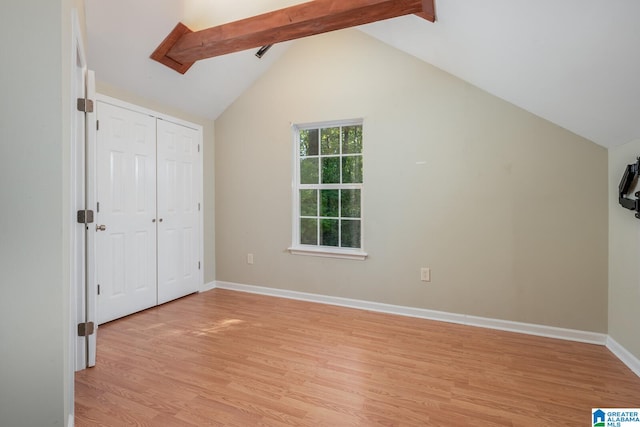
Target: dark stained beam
x=183, y=47
x=428, y=11
x=160, y=54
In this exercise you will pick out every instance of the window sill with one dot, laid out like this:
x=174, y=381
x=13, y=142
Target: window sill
x=326, y=252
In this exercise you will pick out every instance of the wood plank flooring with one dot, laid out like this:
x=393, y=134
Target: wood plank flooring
x=225, y=358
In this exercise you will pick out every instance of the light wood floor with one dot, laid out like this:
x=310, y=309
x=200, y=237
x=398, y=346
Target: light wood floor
x=226, y=358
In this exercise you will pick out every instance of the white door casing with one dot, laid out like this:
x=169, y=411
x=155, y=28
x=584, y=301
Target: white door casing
x=173, y=260
x=179, y=163
x=91, y=297
x=126, y=207
x=82, y=192
x=77, y=197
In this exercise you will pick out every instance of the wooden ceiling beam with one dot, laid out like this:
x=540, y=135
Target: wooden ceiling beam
x=182, y=47
x=160, y=54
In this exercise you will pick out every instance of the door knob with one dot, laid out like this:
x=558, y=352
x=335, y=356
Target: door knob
x=101, y=227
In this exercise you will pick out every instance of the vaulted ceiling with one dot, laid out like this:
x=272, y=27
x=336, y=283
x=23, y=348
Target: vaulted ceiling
x=573, y=62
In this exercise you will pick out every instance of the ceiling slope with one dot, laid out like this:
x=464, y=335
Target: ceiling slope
x=122, y=33
x=575, y=63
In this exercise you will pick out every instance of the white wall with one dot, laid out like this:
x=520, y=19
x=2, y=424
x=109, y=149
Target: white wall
x=34, y=182
x=624, y=256
x=507, y=209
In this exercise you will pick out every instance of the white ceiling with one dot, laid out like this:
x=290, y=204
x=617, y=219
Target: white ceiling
x=573, y=62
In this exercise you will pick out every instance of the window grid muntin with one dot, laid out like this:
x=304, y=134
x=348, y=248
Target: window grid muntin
x=326, y=186
x=318, y=217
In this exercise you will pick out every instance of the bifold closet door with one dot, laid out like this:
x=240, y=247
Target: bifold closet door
x=178, y=210
x=125, y=223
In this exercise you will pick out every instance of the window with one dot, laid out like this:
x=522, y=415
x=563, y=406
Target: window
x=328, y=187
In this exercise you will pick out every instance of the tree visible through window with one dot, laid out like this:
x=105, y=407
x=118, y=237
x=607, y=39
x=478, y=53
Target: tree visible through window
x=329, y=182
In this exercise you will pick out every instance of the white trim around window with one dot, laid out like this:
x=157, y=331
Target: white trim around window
x=317, y=249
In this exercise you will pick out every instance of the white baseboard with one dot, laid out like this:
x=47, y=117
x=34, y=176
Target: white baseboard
x=504, y=325
x=539, y=330
x=70, y=421
x=624, y=355
x=207, y=287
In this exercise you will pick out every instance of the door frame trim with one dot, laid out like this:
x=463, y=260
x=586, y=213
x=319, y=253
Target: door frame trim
x=200, y=191
x=78, y=63
x=139, y=109
x=91, y=299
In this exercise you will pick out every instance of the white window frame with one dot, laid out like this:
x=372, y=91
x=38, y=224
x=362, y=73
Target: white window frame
x=318, y=250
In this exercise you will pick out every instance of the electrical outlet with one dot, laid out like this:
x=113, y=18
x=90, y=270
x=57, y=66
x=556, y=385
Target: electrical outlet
x=425, y=274
x=250, y=259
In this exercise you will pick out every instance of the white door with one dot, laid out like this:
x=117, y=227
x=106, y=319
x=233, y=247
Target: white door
x=91, y=293
x=78, y=203
x=81, y=170
x=178, y=210
x=83, y=270
x=126, y=212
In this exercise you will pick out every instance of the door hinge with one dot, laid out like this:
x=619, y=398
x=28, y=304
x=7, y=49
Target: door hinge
x=98, y=289
x=98, y=207
x=198, y=206
x=97, y=124
x=198, y=265
x=85, y=216
x=85, y=105
x=85, y=329
x=198, y=148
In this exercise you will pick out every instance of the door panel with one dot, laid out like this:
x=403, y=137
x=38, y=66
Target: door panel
x=78, y=241
x=126, y=249
x=91, y=307
x=178, y=250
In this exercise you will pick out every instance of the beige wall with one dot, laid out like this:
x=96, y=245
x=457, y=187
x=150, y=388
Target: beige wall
x=508, y=210
x=208, y=165
x=35, y=376
x=624, y=253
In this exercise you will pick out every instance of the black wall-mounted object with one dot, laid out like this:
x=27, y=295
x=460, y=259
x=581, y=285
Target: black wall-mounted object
x=260, y=53
x=629, y=177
